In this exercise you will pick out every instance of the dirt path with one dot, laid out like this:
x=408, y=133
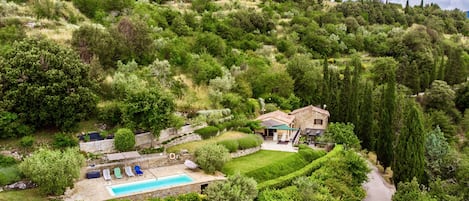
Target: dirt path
x=376, y=188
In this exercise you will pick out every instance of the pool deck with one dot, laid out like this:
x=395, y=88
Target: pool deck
x=96, y=189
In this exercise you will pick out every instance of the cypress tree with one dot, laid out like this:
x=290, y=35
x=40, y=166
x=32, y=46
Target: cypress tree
x=345, y=95
x=385, y=138
x=334, y=98
x=325, y=93
x=407, y=7
x=356, y=91
x=421, y=4
x=410, y=149
x=455, y=72
x=365, y=128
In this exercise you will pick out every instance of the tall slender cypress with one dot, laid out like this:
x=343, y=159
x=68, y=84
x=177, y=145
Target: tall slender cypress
x=356, y=91
x=410, y=149
x=345, y=95
x=385, y=140
x=365, y=128
x=325, y=93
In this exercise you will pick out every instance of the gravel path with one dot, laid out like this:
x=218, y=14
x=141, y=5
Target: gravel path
x=376, y=188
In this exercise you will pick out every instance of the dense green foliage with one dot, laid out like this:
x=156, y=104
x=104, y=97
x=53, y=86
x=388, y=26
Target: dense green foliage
x=410, y=150
x=341, y=133
x=53, y=171
x=235, y=188
x=45, y=85
x=207, y=132
x=286, y=180
x=62, y=140
x=340, y=178
x=124, y=139
x=212, y=157
x=411, y=191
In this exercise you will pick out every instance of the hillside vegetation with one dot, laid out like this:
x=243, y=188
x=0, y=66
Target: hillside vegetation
x=398, y=74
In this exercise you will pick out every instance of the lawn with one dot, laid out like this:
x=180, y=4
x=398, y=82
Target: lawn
x=254, y=161
x=30, y=195
x=192, y=146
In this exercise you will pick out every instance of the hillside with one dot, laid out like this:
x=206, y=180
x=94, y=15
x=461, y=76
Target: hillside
x=83, y=65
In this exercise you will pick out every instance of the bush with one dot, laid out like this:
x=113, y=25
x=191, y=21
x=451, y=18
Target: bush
x=212, y=157
x=110, y=114
x=6, y=161
x=9, y=175
x=286, y=180
x=231, y=145
x=279, y=168
x=27, y=141
x=249, y=142
x=245, y=130
x=310, y=154
x=62, y=140
x=236, y=187
x=207, y=132
x=124, y=139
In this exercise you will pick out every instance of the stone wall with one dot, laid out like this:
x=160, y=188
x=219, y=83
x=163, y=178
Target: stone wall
x=173, y=191
x=146, y=162
x=107, y=146
x=141, y=140
x=245, y=152
x=184, y=139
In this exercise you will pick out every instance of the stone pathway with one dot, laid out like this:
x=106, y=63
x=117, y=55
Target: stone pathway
x=376, y=188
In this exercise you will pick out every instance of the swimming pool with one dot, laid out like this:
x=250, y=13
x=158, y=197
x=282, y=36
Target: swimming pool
x=151, y=184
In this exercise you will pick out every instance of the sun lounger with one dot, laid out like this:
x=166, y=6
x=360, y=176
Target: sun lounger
x=107, y=174
x=117, y=173
x=138, y=170
x=128, y=171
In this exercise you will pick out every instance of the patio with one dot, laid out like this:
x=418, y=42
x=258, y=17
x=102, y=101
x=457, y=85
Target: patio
x=95, y=189
x=275, y=146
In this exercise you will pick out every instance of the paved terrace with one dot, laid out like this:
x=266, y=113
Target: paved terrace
x=95, y=189
x=272, y=145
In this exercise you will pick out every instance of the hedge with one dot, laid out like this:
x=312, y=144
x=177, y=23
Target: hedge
x=245, y=130
x=231, y=145
x=249, y=142
x=310, y=154
x=207, y=132
x=279, y=168
x=286, y=180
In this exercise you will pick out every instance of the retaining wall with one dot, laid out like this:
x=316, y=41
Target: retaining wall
x=141, y=140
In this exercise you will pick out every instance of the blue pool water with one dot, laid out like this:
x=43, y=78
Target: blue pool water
x=151, y=184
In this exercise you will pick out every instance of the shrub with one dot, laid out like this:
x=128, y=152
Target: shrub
x=27, y=141
x=212, y=157
x=207, y=132
x=286, y=180
x=310, y=154
x=62, y=140
x=53, y=170
x=286, y=194
x=236, y=187
x=249, y=142
x=245, y=130
x=231, y=145
x=279, y=168
x=124, y=139
x=9, y=175
x=110, y=114
x=6, y=161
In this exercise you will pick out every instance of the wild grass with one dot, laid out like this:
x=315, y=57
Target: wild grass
x=192, y=146
x=29, y=194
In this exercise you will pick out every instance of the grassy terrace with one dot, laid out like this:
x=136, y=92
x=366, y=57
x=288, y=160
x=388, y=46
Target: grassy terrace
x=192, y=146
x=30, y=195
x=255, y=161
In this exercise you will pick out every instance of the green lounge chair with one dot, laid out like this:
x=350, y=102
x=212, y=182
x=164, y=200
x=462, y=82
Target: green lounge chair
x=117, y=173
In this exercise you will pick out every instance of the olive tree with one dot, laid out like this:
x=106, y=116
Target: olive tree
x=236, y=188
x=53, y=170
x=212, y=157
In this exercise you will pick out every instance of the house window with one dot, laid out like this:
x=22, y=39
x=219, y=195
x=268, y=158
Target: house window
x=317, y=121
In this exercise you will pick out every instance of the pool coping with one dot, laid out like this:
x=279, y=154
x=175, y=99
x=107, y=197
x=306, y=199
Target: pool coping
x=109, y=187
